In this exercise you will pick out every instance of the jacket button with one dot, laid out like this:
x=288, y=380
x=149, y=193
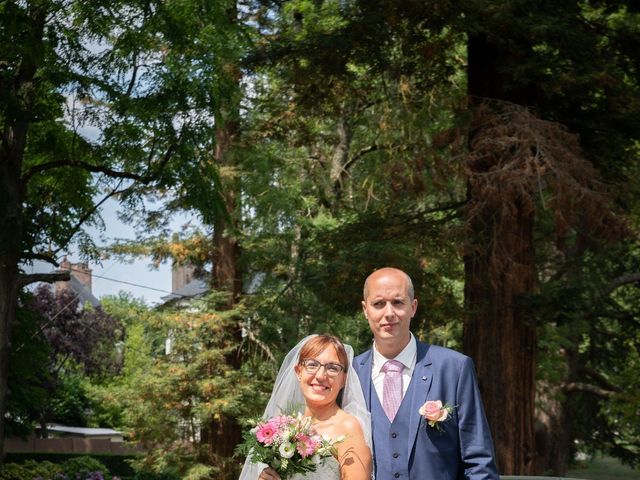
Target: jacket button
x=397, y=475
x=394, y=435
x=396, y=455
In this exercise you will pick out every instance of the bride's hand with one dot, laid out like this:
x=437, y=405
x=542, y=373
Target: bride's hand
x=269, y=474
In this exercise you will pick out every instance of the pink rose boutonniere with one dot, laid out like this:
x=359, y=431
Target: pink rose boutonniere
x=434, y=412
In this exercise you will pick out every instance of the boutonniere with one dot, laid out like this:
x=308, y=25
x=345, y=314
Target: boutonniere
x=434, y=412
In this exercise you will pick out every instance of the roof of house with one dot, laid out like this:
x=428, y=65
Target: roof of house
x=198, y=287
x=84, y=431
x=83, y=293
x=194, y=288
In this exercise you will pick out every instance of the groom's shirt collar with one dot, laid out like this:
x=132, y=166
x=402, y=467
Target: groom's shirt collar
x=407, y=357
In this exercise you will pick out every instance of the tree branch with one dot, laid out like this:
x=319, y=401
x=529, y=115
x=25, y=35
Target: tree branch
x=362, y=153
x=261, y=344
x=134, y=75
x=60, y=363
x=620, y=314
x=621, y=281
x=27, y=279
x=88, y=214
x=45, y=257
x=599, y=378
x=43, y=167
x=586, y=387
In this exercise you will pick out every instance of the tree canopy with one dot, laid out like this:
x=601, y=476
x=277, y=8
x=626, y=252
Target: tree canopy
x=490, y=149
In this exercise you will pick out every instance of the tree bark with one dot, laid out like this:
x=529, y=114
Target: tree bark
x=8, y=303
x=340, y=158
x=226, y=275
x=11, y=221
x=501, y=339
x=553, y=429
x=224, y=433
x=499, y=268
x=12, y=146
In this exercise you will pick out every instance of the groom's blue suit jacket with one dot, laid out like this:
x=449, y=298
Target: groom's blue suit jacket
x=409, y=448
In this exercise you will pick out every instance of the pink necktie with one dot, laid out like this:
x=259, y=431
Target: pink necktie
x=392, y=387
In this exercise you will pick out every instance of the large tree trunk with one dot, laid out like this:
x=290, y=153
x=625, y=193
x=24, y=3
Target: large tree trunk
x=554, y=416
x=224, y=433
x=226, y=275
x=501, y=338
x=8, y=300
x=552, y=432
x=11, y=226
x=19, y=87
x=499, y=270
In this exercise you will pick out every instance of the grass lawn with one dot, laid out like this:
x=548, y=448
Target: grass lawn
x=604, y=468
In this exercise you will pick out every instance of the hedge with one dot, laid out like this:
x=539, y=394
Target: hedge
x=117, y=464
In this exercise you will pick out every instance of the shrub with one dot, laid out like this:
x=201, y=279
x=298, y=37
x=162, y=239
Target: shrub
x=149, y=475
x=199, y=472
x=13, y=471
x=116, y=464
x=30, y=470
x=85, y=468
x=75, y=468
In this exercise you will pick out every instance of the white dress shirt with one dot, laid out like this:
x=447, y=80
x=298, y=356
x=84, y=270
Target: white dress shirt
x=407, y=357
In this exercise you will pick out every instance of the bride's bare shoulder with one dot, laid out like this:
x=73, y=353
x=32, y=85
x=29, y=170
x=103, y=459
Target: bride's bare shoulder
x=349, y=424
x=354, y=454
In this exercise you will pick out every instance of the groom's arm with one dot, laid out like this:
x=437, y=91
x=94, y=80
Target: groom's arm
x=476, y=446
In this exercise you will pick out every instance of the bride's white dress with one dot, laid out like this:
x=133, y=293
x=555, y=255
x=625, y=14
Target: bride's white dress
x=328, y=469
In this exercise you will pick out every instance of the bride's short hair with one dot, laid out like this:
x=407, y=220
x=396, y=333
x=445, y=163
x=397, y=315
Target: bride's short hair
x=316, y=345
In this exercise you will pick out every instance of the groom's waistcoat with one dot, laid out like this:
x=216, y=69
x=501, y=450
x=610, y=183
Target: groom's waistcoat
x=391, y=439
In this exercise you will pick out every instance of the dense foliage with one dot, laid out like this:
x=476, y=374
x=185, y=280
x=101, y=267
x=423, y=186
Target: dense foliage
x=490, y=149
x=78, y=468
x=61, y=346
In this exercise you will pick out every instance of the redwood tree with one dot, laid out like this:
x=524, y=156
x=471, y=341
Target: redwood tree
x=526, y=63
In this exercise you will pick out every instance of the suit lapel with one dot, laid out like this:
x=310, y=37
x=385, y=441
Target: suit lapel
x=422, y=379
x=364, y=373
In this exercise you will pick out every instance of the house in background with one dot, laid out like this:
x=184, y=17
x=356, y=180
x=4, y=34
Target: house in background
x=79, y=284
x=185, y=286
x=66, y=439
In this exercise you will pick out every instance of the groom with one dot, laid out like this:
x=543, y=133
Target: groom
x=399, y=375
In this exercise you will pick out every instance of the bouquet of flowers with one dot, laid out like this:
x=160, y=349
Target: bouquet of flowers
x=288, y=444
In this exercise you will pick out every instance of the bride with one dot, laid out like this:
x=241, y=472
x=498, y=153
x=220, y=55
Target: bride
x=318, y=373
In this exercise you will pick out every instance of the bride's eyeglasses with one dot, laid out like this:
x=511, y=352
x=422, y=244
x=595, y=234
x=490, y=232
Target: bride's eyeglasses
x=331, y=369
